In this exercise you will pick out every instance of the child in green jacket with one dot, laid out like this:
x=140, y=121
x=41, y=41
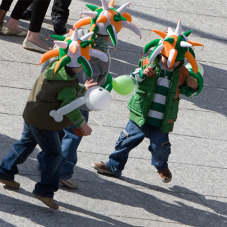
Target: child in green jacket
x=154, y=106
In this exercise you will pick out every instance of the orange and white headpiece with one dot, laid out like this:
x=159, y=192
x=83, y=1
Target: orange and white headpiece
x=74, y=52
x=175, y=45
x=107, y=20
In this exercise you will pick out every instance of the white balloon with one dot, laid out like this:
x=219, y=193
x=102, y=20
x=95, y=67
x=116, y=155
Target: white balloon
x=96, y=98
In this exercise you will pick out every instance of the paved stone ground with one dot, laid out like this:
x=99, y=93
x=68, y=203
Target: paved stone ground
x=197, y=195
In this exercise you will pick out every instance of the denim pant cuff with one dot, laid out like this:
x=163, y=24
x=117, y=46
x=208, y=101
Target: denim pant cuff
x=7, y=176
x=37, y=193
x=162, y=168
x=115, y=173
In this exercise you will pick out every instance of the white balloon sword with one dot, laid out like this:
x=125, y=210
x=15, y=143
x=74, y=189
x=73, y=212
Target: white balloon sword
x=95, y=98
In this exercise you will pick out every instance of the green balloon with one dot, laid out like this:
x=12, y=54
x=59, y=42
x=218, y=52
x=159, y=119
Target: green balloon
x=123, y=85
x=200, y=68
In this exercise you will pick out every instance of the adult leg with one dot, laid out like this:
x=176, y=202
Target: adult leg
x=19, y=8
x=27, y=14
x=17, y=155
x=12, y=23
x=33, y=40
x=5, y=5
x=129, y=138
x=60, y=14
x=38, y=13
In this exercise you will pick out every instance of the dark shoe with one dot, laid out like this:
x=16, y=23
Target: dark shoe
x=69, y=183
x=47, y=201
x=101, y=168
x=165, y=175
x=10, y=184
x=27, y=13
x=59, y=28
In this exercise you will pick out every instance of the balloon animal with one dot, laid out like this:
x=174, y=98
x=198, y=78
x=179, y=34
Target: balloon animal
x=107, y=20
x=174, y=45
x=74, y=52
x=95, y=98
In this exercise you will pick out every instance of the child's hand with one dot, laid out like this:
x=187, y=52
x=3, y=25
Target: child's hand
x=149, y=71
x=191, y=82
x=88, y=84
x=78, y=131
x=85, y=130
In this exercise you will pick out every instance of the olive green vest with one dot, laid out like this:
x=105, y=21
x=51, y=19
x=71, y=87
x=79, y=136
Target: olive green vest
x=42, y=100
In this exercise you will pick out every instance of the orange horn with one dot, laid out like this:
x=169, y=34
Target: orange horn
x=160, y=33
x=48, y=55
x=192, y=61
x=83, y=22
x=195, y=43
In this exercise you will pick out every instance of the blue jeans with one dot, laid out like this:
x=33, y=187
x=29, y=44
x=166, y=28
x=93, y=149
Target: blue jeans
x=50, y=144
x=130, y=138
x=69, y=145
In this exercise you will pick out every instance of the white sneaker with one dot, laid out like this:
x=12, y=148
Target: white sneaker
x=69, y=183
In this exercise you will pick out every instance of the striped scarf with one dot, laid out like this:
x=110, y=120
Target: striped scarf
x=156, y=113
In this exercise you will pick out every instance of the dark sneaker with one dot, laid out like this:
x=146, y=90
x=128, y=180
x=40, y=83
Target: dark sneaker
x=47, y=201
x=165, y=175
x=59, y=28
x=101, y=168
x=69, y=183
x=10, y=184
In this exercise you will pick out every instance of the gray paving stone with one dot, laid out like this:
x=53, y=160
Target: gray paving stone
x=197, y=194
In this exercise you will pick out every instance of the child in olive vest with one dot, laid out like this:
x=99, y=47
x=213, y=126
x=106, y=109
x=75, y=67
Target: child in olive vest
x=57, y=86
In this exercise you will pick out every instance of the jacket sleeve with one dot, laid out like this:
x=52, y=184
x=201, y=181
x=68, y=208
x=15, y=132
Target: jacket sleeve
x=67, y=95
x=100, y=69
x=137, y=74
x=188, y=91
x=81, y=89
x=199, y=79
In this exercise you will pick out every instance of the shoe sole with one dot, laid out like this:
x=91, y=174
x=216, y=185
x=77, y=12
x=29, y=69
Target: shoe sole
x=9, y=32
x=33, y=47
x=55, y=207
x=166, y=181
x=10, y=184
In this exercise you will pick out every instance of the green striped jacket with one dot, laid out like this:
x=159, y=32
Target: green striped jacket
x=140, y=103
